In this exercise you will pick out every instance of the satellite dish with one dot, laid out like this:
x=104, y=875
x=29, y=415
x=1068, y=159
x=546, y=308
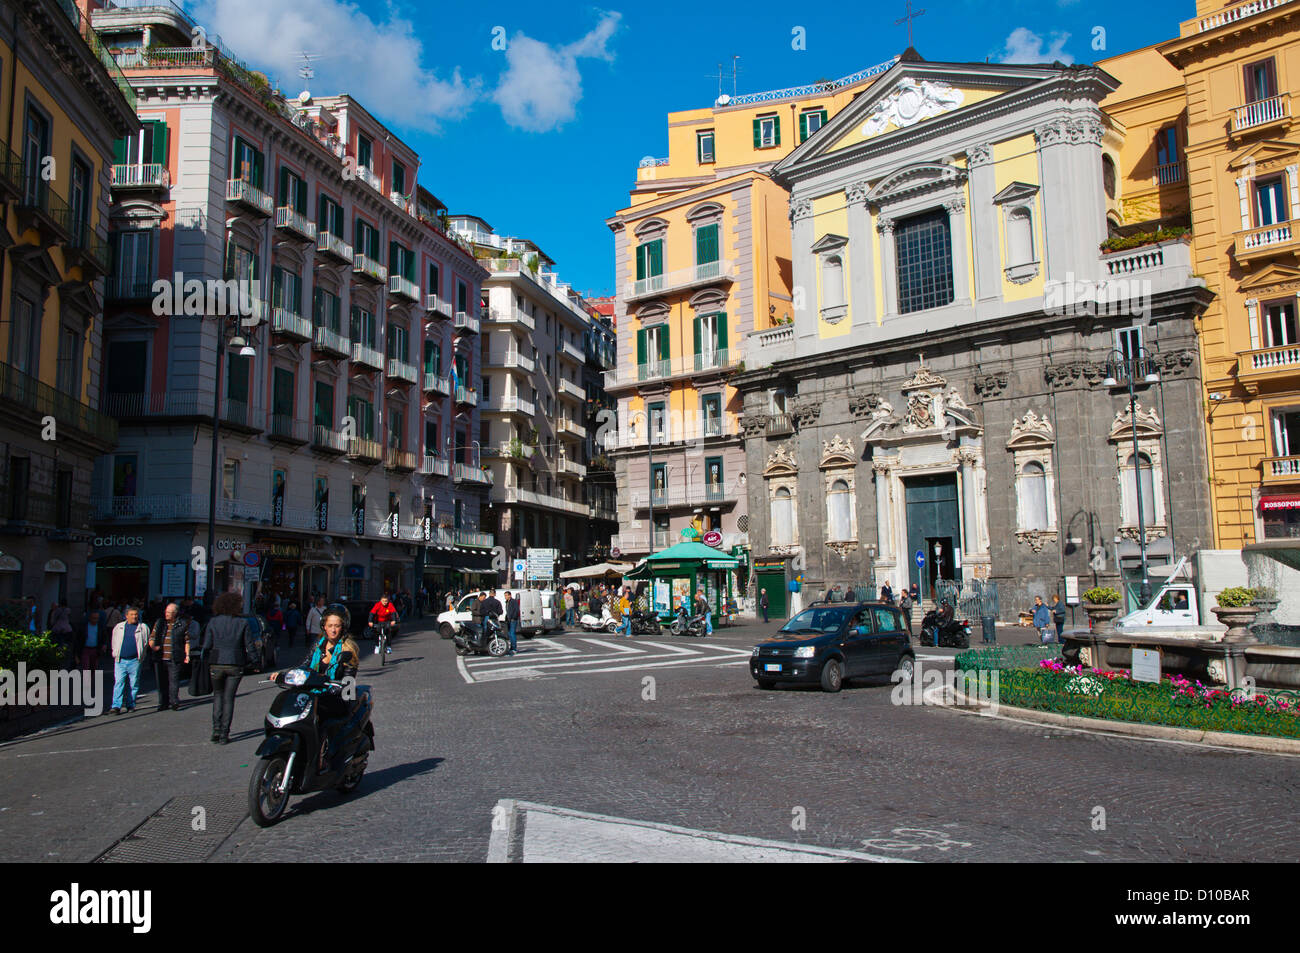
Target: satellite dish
x=304, y=97
x=723, y=100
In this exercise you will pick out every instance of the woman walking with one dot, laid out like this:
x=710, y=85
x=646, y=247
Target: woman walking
x=231, y=648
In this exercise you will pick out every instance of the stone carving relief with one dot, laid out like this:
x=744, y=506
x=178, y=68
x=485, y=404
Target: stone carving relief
x=837, y=452
x=1036, y=539
x=781, y=460
x=805, y=413
x=911, y=102
x=861, y=405
x=753, y=425
x=1031, y=430
x=800, y=208
x=991, y=385
x=1060, y=376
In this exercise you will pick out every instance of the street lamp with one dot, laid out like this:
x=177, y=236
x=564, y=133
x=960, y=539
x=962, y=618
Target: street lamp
x=1130, y=365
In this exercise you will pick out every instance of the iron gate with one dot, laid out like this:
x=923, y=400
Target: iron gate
x=972, y=598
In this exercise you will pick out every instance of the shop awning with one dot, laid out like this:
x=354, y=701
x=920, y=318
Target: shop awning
x=598, y=571
x=1273, y=503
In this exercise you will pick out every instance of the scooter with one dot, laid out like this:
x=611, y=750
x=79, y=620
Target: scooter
x=485, y=639
x=295, y=758
x=602, y=623
x=955, y=633
x=645, y=622
x=688, y=625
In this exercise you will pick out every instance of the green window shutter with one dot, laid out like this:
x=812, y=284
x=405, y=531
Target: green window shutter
x=706, y=244
x=277, y=284
x=394, y=258
x=120, y=149
x=776, y=129
x=257, y=169
x=159, y=143
x=722, y=330
x=236, y=156
x=824, y=117
x=656, y=255
x=664, y=350
x=640, y=262
x=758, y=134
x=322, y=215
x=697, y=343
x=803, y=126
x=284, y=186
x=301, y=197
x=640, y=347
x=359, y=234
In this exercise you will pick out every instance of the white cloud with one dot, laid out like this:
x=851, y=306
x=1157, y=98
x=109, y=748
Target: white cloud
x=1025, y=46
x=378, y=63
x=542, y=85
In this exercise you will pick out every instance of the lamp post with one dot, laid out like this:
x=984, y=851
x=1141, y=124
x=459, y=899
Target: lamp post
x=1140, y=361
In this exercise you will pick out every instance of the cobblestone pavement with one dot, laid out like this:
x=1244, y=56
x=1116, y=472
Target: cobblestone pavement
x=705, y=751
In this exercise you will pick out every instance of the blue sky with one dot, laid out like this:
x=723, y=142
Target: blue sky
x=535, y=116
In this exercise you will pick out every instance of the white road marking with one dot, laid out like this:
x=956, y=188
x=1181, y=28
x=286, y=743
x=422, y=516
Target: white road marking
x=622, y=657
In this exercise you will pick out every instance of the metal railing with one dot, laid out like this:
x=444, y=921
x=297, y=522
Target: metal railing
x=331, y=244
x=96, y=45
x=466, y=322
x=285, y=427
x=436, y=306
x=470, y=473
x=1261, y=112
x=685, y=496
x=241, y=413
x=681, y=278
x=290, y=219
x=40, y=398
x=813, y=89
x=437, y=383
x=467, y=397
x=330, y=341
x=147, y=175
x=286, y=322
x=1169, y=173
x=367, y=267
x=367, y=356
x=176, y=506
x=565, y=426
x=170, y=403
x=395, y=459
x=509, y=404
x=327, y=439
x=401, y=285
x=435, y=466
x=239, y=190
x=780, y=425
x=360, y=448
x=402, y=370
x=716, y=359
x=514, y=494
x=511, y=360
x=128, y=288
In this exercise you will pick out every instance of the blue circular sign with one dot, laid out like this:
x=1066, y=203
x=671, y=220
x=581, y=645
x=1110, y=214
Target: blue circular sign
x=252, y=559
x=920, y=559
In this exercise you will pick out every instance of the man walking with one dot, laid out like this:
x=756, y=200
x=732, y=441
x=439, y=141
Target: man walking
x=172, y=639
x=905, y=604
x=762, y=604
x=89, y=642
x=512, y=621
x=314, y=631
x=292, y=622
x=1042, y=620
x=128, y=648
x=1058, y=616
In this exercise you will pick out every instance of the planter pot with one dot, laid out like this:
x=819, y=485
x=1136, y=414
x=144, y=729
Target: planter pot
x=1236, y=619
x=1265, y=607
x=1101, y=616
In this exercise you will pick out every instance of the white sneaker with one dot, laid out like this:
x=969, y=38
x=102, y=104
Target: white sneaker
x=389, y=650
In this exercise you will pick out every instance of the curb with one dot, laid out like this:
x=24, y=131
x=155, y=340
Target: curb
x=1130, y=729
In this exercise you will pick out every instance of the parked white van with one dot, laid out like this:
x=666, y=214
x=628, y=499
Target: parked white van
x=531, y=616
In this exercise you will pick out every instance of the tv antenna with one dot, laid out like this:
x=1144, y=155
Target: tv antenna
x=305, y=70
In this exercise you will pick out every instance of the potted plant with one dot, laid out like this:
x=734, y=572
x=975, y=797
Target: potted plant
x=1102, y=605
x=1236, y=612
x=1266, y=599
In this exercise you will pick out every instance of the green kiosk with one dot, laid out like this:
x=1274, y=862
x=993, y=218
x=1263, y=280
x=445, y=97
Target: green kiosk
x=677, y=573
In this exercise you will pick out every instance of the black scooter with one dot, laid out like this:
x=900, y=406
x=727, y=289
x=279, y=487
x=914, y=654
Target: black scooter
x=645, y=622
x=955, y=633
x=485, y=639
x=687, y=624
x=295, y=757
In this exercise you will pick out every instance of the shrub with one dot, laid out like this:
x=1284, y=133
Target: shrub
x=38, y=651
x=1265, y=594
x=1235, y=597
x=1101, y=595
x=1128, y=242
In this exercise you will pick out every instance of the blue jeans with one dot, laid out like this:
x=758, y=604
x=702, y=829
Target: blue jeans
x=513, y=628
x=122, y=670
x=708, y=623
x=625, y=626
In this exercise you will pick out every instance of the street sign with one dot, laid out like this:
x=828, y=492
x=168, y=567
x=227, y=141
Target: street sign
x=518, y=568
x=1146, y=665
x=252, y=558
x=713, y=538
x=920, y=559
x=1072, y=590
x=541, y=564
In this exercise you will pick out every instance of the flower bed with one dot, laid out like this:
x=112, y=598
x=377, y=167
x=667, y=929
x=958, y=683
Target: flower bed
x=1005, y=656
x=38, y=651
x=1175, y=701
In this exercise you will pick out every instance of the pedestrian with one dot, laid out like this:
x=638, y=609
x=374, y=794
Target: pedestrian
x=314, y=621
x=905, y=604
x=1042, y=620
x=293, y=624
x=512, y=620
x=231, y=648
x=128, y=647
x=622, y=607
x=762, y=604
x=173, y=637
x=88, y=643
x=60, y=625
x=110, y=615
x=1058, y=616
x=887, y=593
x=702, y=608
x=915, y=592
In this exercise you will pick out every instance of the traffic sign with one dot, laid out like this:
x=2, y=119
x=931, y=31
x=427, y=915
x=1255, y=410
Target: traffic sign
x=920, y=559
x=713, y=538
x=252, y=558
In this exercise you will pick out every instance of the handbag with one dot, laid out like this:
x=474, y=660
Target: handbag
x=200, y=677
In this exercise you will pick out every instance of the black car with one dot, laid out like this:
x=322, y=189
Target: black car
x=830, y=642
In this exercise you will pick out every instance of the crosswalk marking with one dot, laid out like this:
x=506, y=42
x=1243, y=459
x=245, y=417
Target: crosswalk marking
x=547, y=658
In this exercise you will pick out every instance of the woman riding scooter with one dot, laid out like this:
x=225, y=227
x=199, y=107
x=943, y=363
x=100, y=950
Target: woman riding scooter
x=335, y=656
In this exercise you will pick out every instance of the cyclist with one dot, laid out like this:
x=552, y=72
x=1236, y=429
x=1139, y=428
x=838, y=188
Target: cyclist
x=381, y=612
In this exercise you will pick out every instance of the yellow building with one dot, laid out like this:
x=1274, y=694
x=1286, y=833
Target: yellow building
x=66, y=102
x=703, y=261
x=1240, y=67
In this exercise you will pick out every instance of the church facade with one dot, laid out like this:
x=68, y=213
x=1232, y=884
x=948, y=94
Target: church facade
x=953, y=400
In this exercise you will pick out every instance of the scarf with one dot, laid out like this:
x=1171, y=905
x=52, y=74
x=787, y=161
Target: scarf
x=318, y=654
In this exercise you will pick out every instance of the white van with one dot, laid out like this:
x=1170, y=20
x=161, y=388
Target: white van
x=531, y=618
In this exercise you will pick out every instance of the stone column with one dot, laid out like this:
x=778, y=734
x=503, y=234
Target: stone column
x=888, y=271
x=1089, y=222
x=805, y=272
x=1057, y=227
x=960, y=236
x=884, y=519
x=984, y=224
x=966, y=458
x=862, y=265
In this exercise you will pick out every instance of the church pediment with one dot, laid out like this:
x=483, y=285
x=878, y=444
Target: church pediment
x=828, y=242
x=913, y=180
x=1031, y=432
x=1265, y=151
x=1148, y=424
x=781, y=462
x=1015, y=192
x=837, y=452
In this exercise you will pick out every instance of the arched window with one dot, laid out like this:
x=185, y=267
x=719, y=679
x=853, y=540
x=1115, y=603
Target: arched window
x=1108, y=176
x=782, y=517
x=1148, y=490
x=832, y=281
x=838, y=511
x=1020, y=237
x=1033, y=483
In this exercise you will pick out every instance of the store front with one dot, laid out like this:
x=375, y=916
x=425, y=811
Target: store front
x=769, y=574
x=1280, y=516
x=679, y=573
x=119, y=578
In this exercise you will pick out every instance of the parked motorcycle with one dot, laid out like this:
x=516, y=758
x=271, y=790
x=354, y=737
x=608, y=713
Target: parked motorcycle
x=690, y=625
x=602, y=623
x=645, y=622
x=300, y=754
x=485, y=639
x=955, y=633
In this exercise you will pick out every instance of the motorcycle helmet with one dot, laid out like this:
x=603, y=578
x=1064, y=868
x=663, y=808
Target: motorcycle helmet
x=339, y=608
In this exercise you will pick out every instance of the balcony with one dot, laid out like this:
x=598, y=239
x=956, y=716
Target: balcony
x=87, y=251
x=400, y=370
x=780, y=425
x=567, y=467
x=327, y=440
x=509, y=404
x=289, y=325
x=294, y=223
x=1171, y=173
x=508, y=316
x=517, y=496
x=327, y=243
x=176, y=507
x=248, y=196
x=241, y=415
x=1281, y=469
x=285, y=429
x=511, y=361
x=41, y=400
x=399, y=461
x=466, y=323
x=1261, y=113
x=368, y=269
x=330, y=342
x=435, y=466
x=403, y=287
x=712, y=362
x=573, y=352
x=685, y=496
x=511, y=450
x=1270, y=363
x=474, y=538
x=602, y=511
x=568, y=428
x=1265, y=241
x=369, y=177
x=437, y=307
x=145, y=176
x=681, y=279
x=128, y=288
x=437, y=384
x=404, y=202
x=1239, y=12
x=469, y=473
x=365, y=451
x=467, y=397
x=171, y=403
x=568, y=388
x=40, y=207
x=368, y=357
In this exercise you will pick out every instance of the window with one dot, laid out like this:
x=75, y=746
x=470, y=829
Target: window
x=1270, y=202
x=767, y=132
x=1147, y=484
x=68, y=372
x=330, y=217
x=1286, y=433
x=367, y=240
x=237, y=372
x=365, y=152
x=1108, y=176
x=887, y=620
x=148, y=146
x=363, y=412
x=396, y=428
x=398, y=338
x=230, y=480
x=293, y=191
x=658, y=423
x=36, y=146
x=462, y=296
x=713, y=482
x=710, y=340
x=433, y=358
x=399, y=178
x=810, y=121
x=1280, y=324
x=839, y=504
x=327, y=309
x=650, y=266
x=659, y=484
x=435, y=279
x=401, y=261
x=1167, y=146
x=711, y=405
x=1128, y=341
x=79, y=202
x=1033, y=497
x=361, y=327
x=323, y=407
x=282, y=388
x=132, y=262
x=923, y=247
x=246, y=163
x=776, y=403
x=782, y=517
x=1020, y=237
x=22, y=335
x=704, y=146
x=125, y=470
x=1260, y=80
x=706, y=249
x=832, y=283
x=286, y=290
x=652, y=354
x=243, y=264
x=431, y=445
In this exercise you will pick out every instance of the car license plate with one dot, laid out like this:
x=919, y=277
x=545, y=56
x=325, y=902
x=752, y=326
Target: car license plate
x=772, y=668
